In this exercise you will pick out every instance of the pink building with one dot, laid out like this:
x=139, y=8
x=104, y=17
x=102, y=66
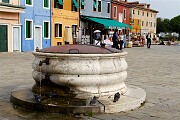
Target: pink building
x=10, y=27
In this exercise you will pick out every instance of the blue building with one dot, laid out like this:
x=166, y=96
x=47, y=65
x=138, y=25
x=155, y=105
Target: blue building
x=36, y=24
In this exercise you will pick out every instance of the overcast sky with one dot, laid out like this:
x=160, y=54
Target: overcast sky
x=167, y=8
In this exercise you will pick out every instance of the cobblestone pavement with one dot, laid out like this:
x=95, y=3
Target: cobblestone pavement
x=156, y=70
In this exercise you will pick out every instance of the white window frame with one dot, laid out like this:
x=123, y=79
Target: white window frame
x=114, y=12
x=124, y=14
x=58, y=29
x=28, y=4
x=48, y=4
x=48, y=30
x=31, y=29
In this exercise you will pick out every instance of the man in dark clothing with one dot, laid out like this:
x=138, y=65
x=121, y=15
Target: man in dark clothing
x=115, y=39
x=148, y=37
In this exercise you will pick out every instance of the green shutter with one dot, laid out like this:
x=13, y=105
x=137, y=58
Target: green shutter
x=76, y=4
x=94, y=4
x=82, y=2
x=27, y=29
x=46, y=29
x=46, y=4
x=60, y=2
x=29, y=2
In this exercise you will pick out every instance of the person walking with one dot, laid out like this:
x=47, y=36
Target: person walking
x=148, y=37
x=115, y=39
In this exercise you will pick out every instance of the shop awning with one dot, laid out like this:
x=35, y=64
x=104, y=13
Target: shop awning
x=60, y=2
x=108, y=23
x=76, y=3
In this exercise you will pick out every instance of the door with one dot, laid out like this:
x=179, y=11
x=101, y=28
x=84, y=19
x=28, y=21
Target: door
x=120, y=17
x=3, y=38
x=16, y=39
x=38, y=37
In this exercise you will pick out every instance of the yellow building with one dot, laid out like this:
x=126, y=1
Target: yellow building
x=65, y=21
x=143, y=19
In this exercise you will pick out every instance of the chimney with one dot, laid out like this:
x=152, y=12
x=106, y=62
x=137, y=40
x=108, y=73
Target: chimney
x=148, y=5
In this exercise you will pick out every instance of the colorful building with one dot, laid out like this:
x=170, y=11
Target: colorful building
x=65, y=21
x=36, y=25
x=10, y=27
x=143, y=19
x=121, y=11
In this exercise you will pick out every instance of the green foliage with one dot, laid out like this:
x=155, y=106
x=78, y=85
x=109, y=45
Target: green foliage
x=166, y=25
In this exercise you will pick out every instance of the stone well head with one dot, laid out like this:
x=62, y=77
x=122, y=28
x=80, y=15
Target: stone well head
x=88, y=70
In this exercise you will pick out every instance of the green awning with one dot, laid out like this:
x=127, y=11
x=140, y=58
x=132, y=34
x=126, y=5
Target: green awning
x=76, y=4
x=109, y=23
x=60, y=2
x=82, y=2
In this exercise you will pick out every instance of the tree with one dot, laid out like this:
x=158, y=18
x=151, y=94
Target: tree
x=166, y=25
x=159, y=25
x=175, y=24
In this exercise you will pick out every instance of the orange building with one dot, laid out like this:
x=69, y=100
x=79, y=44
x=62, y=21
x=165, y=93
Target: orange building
x=65, y=21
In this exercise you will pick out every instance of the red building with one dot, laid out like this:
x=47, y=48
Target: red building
x=121, y=11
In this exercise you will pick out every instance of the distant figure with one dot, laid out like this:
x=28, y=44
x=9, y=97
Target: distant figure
x=121, y=37
x=116, y=97
x=161, y=43
x=148, y=37
x=93, y=100
x=115, y=39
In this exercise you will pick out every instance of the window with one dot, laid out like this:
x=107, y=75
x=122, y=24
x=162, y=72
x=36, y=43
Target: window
x=74, y=5
x=146, y=23
x=108, y=7
x=151, y=24
x=133, y=11
x=94, y=5
x=29, y=2
x=147, y=14
x=138, y=22
x=58, y=4
x=142, y=23
x=46, y=4
x=132, y=22
x=124, y=13
x=5, y=1
x=29, y=28
x=142, y=13
x=58, y=30
x=99, y=5
x=138, y=12
x=154, y=24
x=46, y=30
x=151, y=14
x=115, y=11
x=82, y=4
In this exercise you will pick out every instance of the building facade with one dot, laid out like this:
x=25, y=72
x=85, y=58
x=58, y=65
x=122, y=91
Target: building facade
x=143, y=19
x=121, y=11
x=93, y=9
x=36, y=25
x=65, y=21
x=10, y=27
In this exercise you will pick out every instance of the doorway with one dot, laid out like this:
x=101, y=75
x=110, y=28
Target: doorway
x=16, y=38
x=38, y=37
x=3, y=38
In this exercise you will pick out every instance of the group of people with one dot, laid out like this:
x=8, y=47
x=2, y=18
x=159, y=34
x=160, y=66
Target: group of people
x=117, y=40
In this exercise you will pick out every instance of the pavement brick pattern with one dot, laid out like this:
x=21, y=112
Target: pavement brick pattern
x=156, y=70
